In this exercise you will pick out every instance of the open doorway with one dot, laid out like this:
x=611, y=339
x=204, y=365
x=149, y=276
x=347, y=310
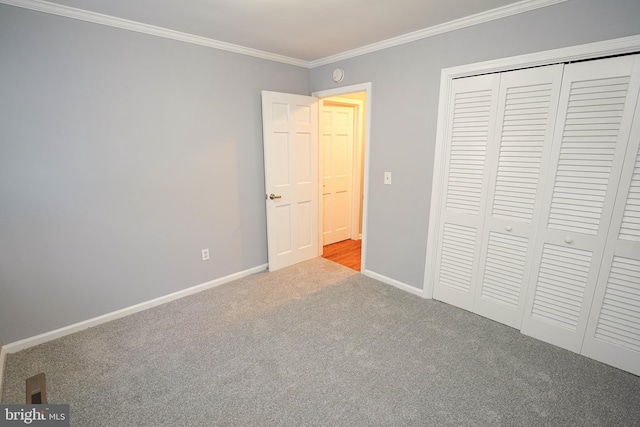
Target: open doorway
x=342, y=143
x=294, y=206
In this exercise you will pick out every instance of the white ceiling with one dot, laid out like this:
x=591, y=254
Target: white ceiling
x=306, y=30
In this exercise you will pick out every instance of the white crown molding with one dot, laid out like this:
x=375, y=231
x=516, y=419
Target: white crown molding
x=125, y=24
x=468, y=21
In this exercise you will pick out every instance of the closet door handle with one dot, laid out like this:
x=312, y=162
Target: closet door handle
x=508, y=228
x=568, y=239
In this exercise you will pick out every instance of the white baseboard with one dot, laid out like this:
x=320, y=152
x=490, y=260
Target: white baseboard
x=3, y=356
x=66, y=330
x=393, y=282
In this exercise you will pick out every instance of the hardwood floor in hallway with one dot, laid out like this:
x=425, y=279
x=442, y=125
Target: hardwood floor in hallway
x=347, y=253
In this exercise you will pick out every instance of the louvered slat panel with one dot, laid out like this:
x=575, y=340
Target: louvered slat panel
x=469, y=135
x=520, y=156
x=619, y=321
x=630, y=228
x=458, y=250
x=560, y=286
x=504, y=269
x=590, y=133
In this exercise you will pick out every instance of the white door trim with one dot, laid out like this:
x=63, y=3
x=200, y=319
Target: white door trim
x=361, y=87
x=575, y=53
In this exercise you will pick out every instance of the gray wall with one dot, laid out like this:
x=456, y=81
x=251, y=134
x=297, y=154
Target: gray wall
x=121, y=156
x=405, y=90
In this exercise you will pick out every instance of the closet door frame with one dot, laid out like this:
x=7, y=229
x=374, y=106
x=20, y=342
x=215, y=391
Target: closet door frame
x=576, y=53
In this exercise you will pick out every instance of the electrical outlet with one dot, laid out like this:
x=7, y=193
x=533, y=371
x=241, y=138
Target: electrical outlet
x=387, y=178
x=205, y=254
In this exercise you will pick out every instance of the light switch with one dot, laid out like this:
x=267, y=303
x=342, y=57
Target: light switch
x=387, y=178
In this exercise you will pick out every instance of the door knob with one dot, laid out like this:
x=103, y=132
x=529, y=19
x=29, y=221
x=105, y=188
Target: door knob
x=273, y=196
x=508, y=228
x=568, y=239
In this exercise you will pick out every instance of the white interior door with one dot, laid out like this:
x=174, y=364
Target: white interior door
x=613, y=330
x=594, y=119
x=290, y=137
x=337, y=172
x=470, y=127
x=518, y=159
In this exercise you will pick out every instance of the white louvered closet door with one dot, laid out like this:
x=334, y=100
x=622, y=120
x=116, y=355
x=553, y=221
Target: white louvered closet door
x=613, y=331
x=518, y=159
x=595, y=113
x=471, y=121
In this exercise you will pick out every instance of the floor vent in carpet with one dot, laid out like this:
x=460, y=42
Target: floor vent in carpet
x=36, y=390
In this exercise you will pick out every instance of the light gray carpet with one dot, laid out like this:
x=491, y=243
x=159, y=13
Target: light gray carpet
x=318, y=344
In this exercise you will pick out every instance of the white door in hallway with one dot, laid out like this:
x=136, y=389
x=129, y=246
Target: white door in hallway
x=337, y=172
x=290, y=138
